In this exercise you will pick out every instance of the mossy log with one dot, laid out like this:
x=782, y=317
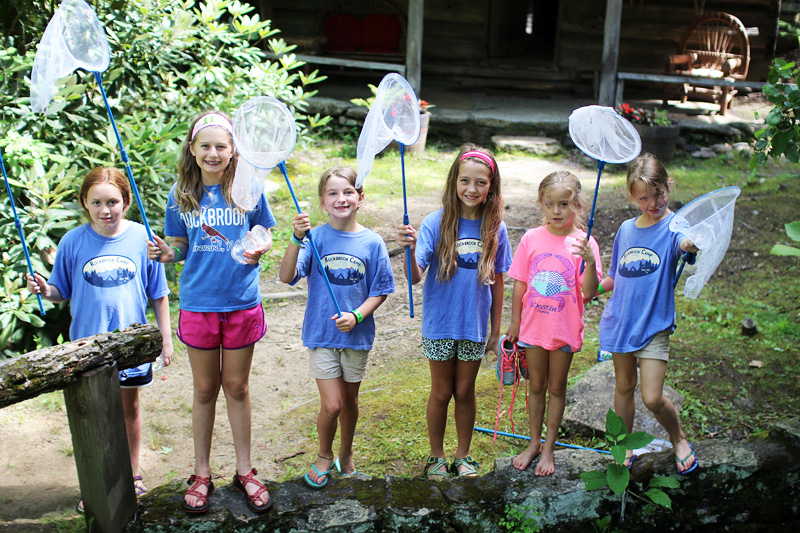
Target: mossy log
x=57, y=367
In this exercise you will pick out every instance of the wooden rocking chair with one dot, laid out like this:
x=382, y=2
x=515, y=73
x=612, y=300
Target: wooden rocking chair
x=714, y=46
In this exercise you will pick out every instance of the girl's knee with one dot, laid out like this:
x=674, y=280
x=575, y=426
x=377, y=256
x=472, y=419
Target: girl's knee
x=237, y=391
x=625, y=387
x=331, y=408
x=537, y=386
x=653, y=401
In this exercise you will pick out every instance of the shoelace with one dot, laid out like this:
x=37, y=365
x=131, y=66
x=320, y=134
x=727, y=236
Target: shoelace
x=508, y=360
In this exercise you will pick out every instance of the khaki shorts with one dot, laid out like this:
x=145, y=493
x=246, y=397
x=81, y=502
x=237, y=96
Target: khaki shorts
x=332, y=363
x=657, y=348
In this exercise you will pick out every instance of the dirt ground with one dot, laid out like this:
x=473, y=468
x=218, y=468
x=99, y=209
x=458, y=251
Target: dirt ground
x=37, y=471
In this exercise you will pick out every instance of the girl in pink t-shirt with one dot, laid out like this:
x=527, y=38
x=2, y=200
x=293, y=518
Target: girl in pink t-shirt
x=547, y=305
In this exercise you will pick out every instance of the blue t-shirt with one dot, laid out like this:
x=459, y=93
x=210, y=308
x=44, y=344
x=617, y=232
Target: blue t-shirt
x=643, y=302
x=107, y=280
x=458, y=308
x=357, y=265
x=211, y=280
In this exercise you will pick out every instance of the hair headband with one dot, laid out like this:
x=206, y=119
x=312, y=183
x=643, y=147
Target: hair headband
x=212, y=119
x=480, y=155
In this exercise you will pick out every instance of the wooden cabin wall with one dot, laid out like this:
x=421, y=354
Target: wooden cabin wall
x=644, y=53
x=295, y=18
x=455, y=30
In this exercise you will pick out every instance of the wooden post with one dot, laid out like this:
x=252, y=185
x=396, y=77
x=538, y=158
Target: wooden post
x=416, y=9
x=94, y=409
x=608, y=73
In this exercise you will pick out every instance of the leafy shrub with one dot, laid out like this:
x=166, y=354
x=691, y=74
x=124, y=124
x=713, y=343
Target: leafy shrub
x=170, y=60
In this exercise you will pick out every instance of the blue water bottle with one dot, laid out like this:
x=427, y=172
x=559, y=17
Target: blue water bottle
x=603, y=355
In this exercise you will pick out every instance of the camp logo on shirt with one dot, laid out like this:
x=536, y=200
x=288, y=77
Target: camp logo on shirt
x=344, y=269
x=637, y=262
x=109, y=271
x=469, y=253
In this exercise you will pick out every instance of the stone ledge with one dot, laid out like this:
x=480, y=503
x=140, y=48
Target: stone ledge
x=738, y=483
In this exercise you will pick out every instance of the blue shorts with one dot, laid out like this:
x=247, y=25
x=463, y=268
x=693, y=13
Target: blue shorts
x=566, y=348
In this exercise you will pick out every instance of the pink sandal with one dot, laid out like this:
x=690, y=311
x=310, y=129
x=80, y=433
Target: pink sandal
x=196, y=482
x=240, y=482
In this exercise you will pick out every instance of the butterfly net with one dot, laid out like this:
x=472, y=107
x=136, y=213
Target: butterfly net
x=264, y=134
x=601, y=133
x=74, y=38
x=708, y=222
x=393, y=116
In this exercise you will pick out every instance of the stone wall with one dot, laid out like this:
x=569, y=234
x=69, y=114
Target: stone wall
x=740, y=486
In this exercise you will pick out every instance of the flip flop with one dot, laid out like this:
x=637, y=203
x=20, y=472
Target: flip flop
x=314, y=484
x=339, y=468
x=632, y=459
x=682, y=461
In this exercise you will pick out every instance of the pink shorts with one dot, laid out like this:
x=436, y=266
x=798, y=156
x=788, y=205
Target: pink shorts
x=231, y=330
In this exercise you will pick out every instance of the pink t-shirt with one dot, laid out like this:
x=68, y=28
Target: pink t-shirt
x=552, y=306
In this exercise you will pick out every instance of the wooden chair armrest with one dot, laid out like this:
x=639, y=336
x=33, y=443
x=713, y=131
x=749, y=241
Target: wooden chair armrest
x=731, y=65
x=681, y=61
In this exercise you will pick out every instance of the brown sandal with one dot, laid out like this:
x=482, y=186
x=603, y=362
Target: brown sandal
x=240, y=482
x=196, y=482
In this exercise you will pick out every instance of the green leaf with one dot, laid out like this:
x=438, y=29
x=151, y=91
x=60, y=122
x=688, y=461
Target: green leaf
x=617, y=478
x=638, y=439
x=664, y=481
x=782, y=249
x=793, y=230
x=659, y=497
x=780, y=141
x=594, y=479
x=615, y=426
x=618, y=452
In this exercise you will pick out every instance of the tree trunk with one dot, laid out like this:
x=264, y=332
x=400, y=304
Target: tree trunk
x=57, y=367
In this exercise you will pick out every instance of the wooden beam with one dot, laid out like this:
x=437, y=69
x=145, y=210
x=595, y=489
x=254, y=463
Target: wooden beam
x=700, y=81
x=345, y=62
x=57, y=367
x=97, y=424
x=416, y=9
x=608, y=72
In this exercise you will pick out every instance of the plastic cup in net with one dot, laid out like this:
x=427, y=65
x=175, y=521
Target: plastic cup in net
x=603, y=134
x=264, y=133
x=256, y=238
x=393, y=116
x=708, y=222
x=74, y=38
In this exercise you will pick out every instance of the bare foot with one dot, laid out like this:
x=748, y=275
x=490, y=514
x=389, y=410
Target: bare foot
x=684, y=456
x=523, y=460
x=323, y=464
x=546, y=465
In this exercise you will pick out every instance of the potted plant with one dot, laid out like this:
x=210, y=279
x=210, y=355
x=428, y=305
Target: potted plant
x=424, y=119
x=658, y=132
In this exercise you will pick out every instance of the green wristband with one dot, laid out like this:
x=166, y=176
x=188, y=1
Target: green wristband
x=294, y=240
x=358, y=315
x=179, y=252
x=600, y=290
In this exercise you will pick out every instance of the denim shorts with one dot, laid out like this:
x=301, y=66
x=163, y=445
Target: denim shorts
x=231, y=330
x=566, y=348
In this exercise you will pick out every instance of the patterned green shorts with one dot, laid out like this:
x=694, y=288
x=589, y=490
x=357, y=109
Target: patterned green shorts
x=446, y=349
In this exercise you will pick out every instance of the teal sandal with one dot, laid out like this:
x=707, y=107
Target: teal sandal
x=469, y=465
x=339, y=469
x=435, y=468
x=316, y=485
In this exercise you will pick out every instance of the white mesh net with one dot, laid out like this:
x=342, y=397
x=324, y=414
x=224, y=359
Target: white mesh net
x=394, y=115
x=601, y=133
x=74, y=38
x=708, y=222
x=264, y=133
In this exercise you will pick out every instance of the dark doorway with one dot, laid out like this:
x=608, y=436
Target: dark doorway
x=523, y=30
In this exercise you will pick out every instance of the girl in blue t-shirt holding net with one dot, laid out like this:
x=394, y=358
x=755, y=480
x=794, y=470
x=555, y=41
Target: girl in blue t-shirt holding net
x=221, y=317
x=357, y=265
x=102, y=269
x=640, y=317
x=466, y=246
